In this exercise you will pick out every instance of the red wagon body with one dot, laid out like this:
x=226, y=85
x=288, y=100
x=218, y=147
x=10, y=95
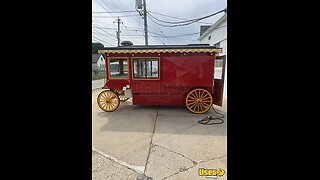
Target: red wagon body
x=180, y=75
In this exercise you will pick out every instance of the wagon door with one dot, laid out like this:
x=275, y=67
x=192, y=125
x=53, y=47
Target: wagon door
x=219, y=74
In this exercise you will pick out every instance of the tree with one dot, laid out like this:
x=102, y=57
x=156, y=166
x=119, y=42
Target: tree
x=96, y=47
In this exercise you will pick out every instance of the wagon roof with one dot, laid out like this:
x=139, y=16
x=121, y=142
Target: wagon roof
x=193, y=48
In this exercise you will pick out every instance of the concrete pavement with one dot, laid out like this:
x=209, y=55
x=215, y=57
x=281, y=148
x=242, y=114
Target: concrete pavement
x=96, y=84
x=105, y=168
x=137, y=142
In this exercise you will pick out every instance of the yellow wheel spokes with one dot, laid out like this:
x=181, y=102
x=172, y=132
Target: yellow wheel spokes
x=199, y=101
x=108, y=101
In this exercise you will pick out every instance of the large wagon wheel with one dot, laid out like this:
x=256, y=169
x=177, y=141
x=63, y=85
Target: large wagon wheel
x=108, y=101
x=199, y=101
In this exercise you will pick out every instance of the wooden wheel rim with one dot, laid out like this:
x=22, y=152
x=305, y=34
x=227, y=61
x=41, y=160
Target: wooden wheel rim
x=108, y=101
x=199, y=101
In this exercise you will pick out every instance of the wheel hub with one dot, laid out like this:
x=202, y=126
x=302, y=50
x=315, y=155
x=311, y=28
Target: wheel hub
x=198, y=101
x=108, y=100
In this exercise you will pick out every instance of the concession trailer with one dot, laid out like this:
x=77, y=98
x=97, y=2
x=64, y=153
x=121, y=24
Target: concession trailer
x=168, y=75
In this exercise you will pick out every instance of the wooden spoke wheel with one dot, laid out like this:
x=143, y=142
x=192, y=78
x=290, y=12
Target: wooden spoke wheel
x=123, y=98
x=108, y=101
x=199, y=101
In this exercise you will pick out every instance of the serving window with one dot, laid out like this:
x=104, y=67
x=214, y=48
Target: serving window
x=118, y=68
x=146, y=68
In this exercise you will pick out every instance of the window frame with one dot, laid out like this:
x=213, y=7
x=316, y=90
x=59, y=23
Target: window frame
x=145, y=78
x=109, y=70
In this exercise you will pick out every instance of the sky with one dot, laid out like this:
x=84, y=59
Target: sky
x=105, y=13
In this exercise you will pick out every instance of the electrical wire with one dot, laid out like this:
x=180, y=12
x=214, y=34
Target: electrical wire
x=177, y=17
x=104, y=31
x=104, y=2
x=115, y=12
x=216, y=120
x=163, y=35
x=130, y=15
x=97, y=39
x=186, y=22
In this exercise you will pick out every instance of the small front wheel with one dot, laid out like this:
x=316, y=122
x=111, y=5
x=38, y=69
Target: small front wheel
x=123, y=98
x=108, y=101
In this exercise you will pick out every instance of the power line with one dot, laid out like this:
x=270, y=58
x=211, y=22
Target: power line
x=179, y=35
x=133, y=16
x=116, y=28
x=125, y=5
x=156, y=19
x=115, y=12
x=103, y=7
x=102, y=40
x=105, y=31
x=132, y=28
x=186, y=22
x=100, y=34
x=102, y=22
x=151, y=17
x=104, y=1
x=130, y=15
x=156, y=36
x=177, y=17
x=160, y=32
x=109, y=3
x=128, y=27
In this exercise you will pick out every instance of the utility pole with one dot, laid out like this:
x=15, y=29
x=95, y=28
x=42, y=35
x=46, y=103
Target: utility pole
x=145, y=22
x=118, y=32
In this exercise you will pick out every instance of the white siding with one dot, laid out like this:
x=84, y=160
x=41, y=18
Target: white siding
x=94, y=67
x=223, y=45
x=101, y=63
x=219, y=35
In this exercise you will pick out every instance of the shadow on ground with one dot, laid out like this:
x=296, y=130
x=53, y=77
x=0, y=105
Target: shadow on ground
x=169, y=120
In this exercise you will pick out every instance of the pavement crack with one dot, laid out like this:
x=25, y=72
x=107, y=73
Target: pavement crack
x=179, y=172
x=121, y=163
x=202, y=161
x=194, y=162
x=150, y=145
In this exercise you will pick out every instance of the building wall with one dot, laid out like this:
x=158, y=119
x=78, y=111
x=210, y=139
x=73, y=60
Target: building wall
x=94, y=67
x=219, y=37
x=101, y=63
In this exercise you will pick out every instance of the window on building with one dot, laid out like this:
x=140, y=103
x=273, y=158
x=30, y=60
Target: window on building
x=118, y=68
x=209, y=37
x=146, y=68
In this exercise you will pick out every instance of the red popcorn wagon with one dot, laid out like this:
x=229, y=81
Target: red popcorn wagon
x=168, y=75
